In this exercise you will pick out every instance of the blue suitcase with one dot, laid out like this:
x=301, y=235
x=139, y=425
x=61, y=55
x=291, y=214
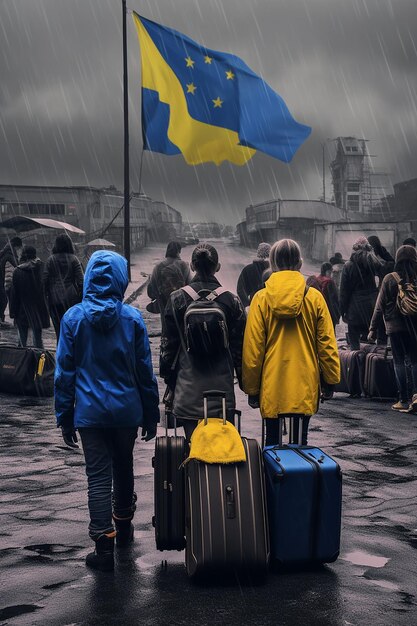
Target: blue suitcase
x=304, y=498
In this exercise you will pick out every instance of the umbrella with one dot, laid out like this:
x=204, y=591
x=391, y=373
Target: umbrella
x=101, y=243
x=20, y=223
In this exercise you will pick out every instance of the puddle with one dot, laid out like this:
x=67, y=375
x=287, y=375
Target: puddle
x=363, y=558
x=385, y=584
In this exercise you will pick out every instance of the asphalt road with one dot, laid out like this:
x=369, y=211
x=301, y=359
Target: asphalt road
x=43, y=530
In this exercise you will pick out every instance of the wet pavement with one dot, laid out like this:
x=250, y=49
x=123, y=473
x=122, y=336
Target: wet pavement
x=43, y=530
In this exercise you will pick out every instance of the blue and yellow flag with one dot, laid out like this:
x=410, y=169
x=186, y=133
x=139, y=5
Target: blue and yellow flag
x=208, y=105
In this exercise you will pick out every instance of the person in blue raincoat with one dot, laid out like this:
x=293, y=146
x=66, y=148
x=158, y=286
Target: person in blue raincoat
x=105, y=388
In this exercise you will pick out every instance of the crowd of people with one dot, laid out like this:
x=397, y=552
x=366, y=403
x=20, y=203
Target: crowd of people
x=276, y=336
x=38, y=292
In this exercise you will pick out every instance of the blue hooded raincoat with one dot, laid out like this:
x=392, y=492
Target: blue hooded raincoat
x=104, y=376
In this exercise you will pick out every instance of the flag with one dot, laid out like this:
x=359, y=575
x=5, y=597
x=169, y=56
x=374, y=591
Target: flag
x=208, y=105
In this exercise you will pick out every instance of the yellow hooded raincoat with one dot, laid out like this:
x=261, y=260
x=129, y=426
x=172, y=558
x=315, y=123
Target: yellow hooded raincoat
x=289, y=340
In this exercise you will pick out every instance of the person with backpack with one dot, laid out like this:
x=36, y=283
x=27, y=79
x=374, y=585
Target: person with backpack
x=63, y=280
x=385, y=259
x=201, y=344
x=251, y=278
x=358, y=290
x=105, y=388
x=168, y=276
x=326, y=285
x=397, y=307
x=289, y=345
x=27, y=299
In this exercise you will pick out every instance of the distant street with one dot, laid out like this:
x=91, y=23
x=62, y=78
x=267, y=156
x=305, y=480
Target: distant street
x=44, y=540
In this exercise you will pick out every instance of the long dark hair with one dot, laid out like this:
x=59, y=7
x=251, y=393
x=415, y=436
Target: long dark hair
x=407, y=269
x=63, y=243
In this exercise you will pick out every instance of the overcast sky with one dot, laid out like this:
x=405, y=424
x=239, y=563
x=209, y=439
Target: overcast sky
x=344, y=67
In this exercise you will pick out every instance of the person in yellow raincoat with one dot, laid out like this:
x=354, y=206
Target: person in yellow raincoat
x=289, y=344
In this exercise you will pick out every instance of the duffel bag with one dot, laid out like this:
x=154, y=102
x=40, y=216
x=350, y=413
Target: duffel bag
x=26, y=371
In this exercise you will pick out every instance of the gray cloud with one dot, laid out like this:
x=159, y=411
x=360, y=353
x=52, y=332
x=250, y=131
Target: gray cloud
x=342, y=66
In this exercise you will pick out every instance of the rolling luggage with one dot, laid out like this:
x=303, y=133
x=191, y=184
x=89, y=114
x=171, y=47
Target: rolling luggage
x=226, y=520
x=304, y=495
x=351, y=372
x=379, y=380
x=169, y=491
x=26, y=371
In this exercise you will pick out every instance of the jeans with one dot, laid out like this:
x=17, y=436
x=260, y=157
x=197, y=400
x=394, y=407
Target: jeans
x=273, y=429
x=404, y=352
x=109, y=467
x=23, y=336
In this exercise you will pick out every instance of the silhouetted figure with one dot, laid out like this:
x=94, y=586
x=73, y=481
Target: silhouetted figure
x=326, y=285
x=63, y=280
x=27, y=298
x=401, y=329
x=9, y=258
x=251, y=278
x=358, y=290
x=168, y=276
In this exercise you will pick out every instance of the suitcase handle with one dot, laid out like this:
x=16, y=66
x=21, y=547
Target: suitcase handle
x=281, y=418
x=214, y=394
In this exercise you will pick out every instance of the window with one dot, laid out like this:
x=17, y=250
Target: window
x=353, y=187
x=353, y=202
x=348, y=149
x=355, y=149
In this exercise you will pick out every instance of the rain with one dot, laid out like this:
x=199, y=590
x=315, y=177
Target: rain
x=345, y=68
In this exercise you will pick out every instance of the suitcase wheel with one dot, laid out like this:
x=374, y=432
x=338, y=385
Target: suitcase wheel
x=153, y=461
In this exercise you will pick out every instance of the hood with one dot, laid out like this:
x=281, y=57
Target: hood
x=105, y=283
x=30, y=266
x=285, y=292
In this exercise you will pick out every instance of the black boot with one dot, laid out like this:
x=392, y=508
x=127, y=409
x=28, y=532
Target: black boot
x=102, y=558
x=125, y=532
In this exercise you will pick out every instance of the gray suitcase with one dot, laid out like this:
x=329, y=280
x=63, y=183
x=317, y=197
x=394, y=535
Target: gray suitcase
x=226, y=518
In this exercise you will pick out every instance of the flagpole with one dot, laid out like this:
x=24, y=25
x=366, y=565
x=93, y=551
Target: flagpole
x=126, y=233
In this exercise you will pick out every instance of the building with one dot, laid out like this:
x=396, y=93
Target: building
x=357, y=188
x=277, y=219
x=334, y=237
x=99, y=212
x=165, y=222
x=405, y=199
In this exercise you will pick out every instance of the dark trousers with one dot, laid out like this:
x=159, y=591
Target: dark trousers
x=404, y=353
x=23, y=336
x=273, y=426
x=355, y=333
x=3, y=302
x=56, y=311
x=109, y=467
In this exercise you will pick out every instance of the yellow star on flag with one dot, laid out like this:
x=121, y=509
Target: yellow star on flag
x=191, y=88
x=230, y=75
x=208, y=59
x=218, y=103
x=189, y=62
